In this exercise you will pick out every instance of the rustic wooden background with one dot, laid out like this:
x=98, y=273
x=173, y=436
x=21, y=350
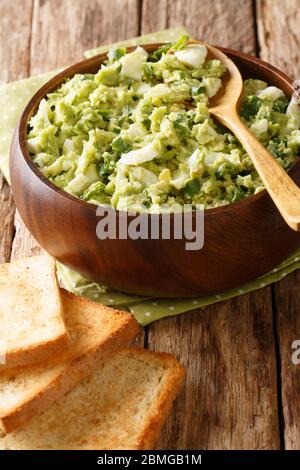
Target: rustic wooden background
x=242, y=390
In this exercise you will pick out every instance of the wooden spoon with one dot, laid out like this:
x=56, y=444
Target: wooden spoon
x=225, y=107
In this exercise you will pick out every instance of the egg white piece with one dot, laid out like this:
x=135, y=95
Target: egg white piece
x=138, y=156
x=193, y=55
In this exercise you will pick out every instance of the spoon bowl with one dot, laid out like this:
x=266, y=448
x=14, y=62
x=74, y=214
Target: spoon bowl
x=231, y=91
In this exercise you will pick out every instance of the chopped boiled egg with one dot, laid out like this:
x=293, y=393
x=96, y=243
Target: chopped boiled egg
x=158, y=91
x=142, y=155
x=259, y=127
x=193, y=55
x=271, y=93
x=212, y=85
x=132, y=64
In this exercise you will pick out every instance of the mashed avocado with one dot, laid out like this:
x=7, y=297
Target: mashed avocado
x=126, y=137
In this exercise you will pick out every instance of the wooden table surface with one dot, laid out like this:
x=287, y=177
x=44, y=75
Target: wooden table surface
x=242, y=390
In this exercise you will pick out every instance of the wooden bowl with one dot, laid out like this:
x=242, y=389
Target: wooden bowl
x=242, y=240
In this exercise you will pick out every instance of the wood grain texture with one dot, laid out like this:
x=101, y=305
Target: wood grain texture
x=198, y=420
x=278, y=33
x=7, y=209
x=14, y=54
x=15, y=33
x=287, y=301
x=217, y=22
x=279, y=38
x=23, y=244
x=229, y=399
x=63, y=30
x=155, y=16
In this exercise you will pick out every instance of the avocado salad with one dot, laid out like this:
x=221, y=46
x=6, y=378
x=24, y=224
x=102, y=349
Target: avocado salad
x=138, y=134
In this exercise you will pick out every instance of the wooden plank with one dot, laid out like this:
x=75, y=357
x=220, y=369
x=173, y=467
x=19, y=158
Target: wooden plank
x=279, y=37
x=14, y=53
x=7, y=210
x=154, y=16
x=287, y=301
x=216, y=22
x=229, y=400
x=61, y=31
x=278, y=34
x=15, y=21
x=23, y=244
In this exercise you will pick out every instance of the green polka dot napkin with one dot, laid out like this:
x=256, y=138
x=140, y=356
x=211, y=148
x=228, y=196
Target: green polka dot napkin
x=13, y=98
x=147, y=310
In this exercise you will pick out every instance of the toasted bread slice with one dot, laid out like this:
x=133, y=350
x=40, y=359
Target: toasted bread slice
x=31, y=318
x=95, y=332
x=122, y=405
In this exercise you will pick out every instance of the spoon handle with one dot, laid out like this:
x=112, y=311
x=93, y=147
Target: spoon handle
x=282, y=189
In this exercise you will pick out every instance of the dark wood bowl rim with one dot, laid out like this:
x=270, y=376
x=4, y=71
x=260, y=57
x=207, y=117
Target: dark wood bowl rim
x=32, y=105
